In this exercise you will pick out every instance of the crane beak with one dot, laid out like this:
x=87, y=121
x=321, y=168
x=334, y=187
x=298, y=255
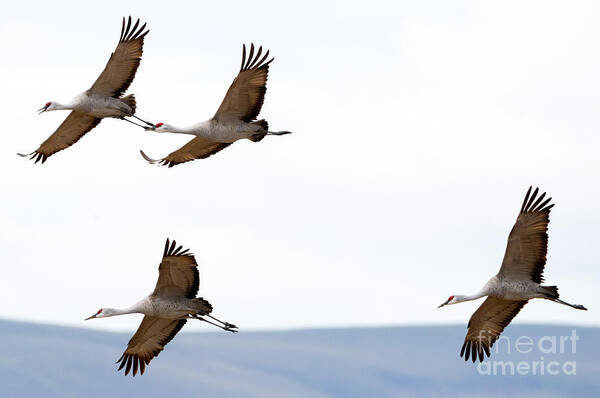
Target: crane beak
x=42, y=110
x=443, y=304
x=91, y=317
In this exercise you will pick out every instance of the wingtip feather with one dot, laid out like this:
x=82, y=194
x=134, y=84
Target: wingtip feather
x=166, y=247
x=526, y=199
x=243, y=56
x=149, y=159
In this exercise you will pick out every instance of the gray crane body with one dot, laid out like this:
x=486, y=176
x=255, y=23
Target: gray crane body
x=514, y=289
x=96, y=105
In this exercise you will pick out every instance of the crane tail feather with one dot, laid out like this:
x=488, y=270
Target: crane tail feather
x=550, y=291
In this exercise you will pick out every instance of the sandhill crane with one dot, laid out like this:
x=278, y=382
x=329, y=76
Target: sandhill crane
x=165, y=310
x=103, y=99
x=234, y=120
x=519, y=280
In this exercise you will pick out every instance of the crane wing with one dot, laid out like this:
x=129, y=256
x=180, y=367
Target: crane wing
x=75, y=126
x=525, y=255
x=177, y=273
x=123, y=62
x=149, y=340
x=247, y=92
x=198, y=148
x=486, y=325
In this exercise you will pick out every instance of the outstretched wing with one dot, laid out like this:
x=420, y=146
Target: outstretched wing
x=123, y=63
x=75, y=126
x=177, y=273
x=525, y=255
x=486, y=325
x=247, y=92
x=149, y=340
x=198, y=148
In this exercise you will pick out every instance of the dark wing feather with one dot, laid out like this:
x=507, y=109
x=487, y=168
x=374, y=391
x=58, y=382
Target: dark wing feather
x=525, y=255
x=149, y=340
x=197, y=148
x=486, y=325
x=75, y=126
x=123, y=63
x=177, y=273
x=246, y=95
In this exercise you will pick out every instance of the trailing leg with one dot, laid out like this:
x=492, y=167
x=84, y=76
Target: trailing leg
x=229, y=329
x=226, y=324
x=278, y=132
x=127, y=120
x=576, y=306
x=551, y=293
x=142, y=120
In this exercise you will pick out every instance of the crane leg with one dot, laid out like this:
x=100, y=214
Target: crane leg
x=226, y=324
x=127, y=120
x=142, y=120
x=229, y=329
x=278, y=132
x=576, y=306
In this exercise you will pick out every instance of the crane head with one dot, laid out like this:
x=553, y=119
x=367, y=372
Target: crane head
x=103, y=313
x=162, y=128
x=49, y=106
x=451, y=300
x=98, y=314
x=153, y=128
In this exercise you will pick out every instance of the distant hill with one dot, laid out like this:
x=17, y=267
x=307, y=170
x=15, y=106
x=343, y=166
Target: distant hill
x=50, y=361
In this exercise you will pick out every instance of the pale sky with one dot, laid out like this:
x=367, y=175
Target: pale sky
x=417, y=129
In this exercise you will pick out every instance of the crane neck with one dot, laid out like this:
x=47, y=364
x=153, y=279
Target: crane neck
x=179, y=130
x=134, y=309
x=169, y=128
x=481, y=293
x=195, y=129
x=69, y=106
